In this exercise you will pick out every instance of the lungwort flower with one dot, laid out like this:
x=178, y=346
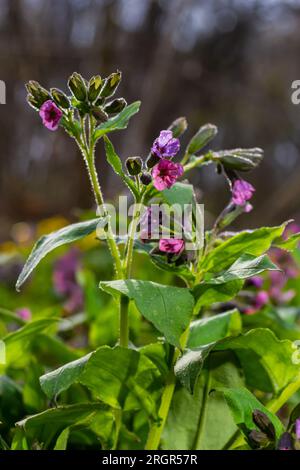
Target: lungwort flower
x=165, y=174
x=171, y=245
x=165, y=146
x=51, y=115
x=242, y=191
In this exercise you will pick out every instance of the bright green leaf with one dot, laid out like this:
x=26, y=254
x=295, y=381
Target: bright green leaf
x=168, y=308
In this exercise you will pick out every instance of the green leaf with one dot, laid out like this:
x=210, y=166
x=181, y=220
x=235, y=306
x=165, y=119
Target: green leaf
x=208, y=294
x=183, y=430
x=62, y=440
x=265, y=360
x=242, y=403
x=179, y=193
x=118, y=377
x=211, y=329
x=204, y=135
x=281, y=320
x=168, y=308
x=118, y=122
x=47, y=427
x=115, y=162
x=48, y=243
x=10, y=317
x=289, y=244
x=254, y=242
x=61, y=379
x=20, y=340
x=244, y=267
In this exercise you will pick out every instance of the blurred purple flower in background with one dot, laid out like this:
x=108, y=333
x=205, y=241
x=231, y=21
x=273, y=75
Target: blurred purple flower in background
x=297, y=428
x=165, y=174
x=165, y=146
x=24, y=313
x=51, y=115
x=64, y=280
x=242, y=191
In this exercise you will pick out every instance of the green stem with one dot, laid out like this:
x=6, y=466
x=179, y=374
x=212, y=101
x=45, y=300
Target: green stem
x=158, y=427
x=124, y=327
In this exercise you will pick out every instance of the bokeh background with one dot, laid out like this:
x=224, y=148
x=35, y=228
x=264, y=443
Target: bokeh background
x=229, y=62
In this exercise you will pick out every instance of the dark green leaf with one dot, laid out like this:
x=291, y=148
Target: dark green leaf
x=168, y=308
x=48, y=243
x=208, y=294
x=118, y=122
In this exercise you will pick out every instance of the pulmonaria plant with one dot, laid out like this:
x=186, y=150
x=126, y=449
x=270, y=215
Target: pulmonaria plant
x=198, y=385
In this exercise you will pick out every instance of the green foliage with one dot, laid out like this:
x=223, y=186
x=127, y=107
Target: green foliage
x=118, y=122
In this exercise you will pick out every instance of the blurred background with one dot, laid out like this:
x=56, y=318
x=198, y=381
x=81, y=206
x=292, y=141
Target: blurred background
x=228, y=62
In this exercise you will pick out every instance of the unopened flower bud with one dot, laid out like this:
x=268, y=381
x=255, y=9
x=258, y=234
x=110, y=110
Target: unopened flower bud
x=134, y=165
x=111, y=84
x=178, y=127
x=77, y=86
x=99, y=114
x=38, y=93
x=258, y=439
x=264, y=423
x=146, y=178
x=204, y=135
x=115, y=106
x=152, y=160
x=95, y=84
x=60, y=98
x=285, y=442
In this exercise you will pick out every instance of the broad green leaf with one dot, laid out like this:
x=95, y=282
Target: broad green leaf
x=168, y=308
x=181, y=271
x=118, y=122
x=211, y=329
x=254, y=242
x=55, y=382
x=48, y=243
x=118, y=377
x=289, y=244
x=244, y=267
x=242, y=403
x=115, y=162
x=265, y=360
x=208, y=294
x=46, y=427
x=182, y=430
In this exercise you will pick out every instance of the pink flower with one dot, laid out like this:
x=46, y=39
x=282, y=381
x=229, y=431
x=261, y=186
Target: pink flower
x=242, y=191
x=171, y=245
x=261, y=299
x=24, y=313
x=165, y=146
x=165, y=174
x=51, y=115
x=297, y=428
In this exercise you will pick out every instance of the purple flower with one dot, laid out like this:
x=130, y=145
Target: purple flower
x=255, y=281
x=242, y=191
x=171, y=245
x=297, y=428
x=24, y=313
x=51, y=115
x=285, y=442
x=261, y=299
x=64, y=280
x=165, y=146
x=165, y=174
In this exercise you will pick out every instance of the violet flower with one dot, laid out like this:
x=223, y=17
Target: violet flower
x=255, y=281
x=165, y=146
x=171, y=245
x=51, y=115
x=297, y=428
x=165, y=174
x=24, y=313
x=64, y=280
x=242, y=191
